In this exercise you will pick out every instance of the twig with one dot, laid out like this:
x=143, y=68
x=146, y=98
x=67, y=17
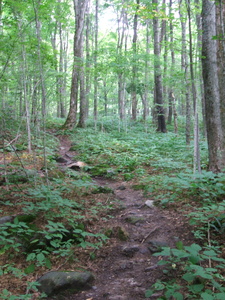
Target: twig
x=145, y=238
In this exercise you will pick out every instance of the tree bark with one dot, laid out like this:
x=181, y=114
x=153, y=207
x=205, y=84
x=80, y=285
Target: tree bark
x=121, y=42
x=134, y=67
x=80, y=9
x=158, y=73
x=211, y=85
x=95, y=63
x=185, y=69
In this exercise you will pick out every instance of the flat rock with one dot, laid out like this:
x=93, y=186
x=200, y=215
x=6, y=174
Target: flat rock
x=58, y=281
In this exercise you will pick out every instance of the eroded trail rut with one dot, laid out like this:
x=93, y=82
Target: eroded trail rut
x=125, y=269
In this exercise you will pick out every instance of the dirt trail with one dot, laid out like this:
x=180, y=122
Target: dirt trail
x=125, y=269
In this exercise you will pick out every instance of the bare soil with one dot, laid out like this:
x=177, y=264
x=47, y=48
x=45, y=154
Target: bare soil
x=125, y=269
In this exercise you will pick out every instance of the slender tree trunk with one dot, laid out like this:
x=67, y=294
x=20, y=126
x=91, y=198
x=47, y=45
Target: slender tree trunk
x=211, y=85
x=24, y=84
x=40, y=64
x=95, y=63
x=184, y=67
x=88, y=63
x=171, y=96
x=158, y=74
x=120, y=53
x=194, y=94
x=146, y=90
x=134, y=67
x=220, y=16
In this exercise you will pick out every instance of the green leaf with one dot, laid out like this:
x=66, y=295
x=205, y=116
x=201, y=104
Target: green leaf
x=180, y=245
x=29, y=269
x=210, y=253
x=163, y=262
x=196, y=288
x=194, y=259
x=148, y=293
x=40, y=257
x=207, y=296
x=48, y=263
x=178, y=296
x=189, y=277
x=220, y=296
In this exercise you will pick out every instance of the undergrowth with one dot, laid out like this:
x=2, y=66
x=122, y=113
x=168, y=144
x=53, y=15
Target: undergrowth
x=51, y=213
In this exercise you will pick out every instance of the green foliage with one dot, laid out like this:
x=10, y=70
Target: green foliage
x=190, y=265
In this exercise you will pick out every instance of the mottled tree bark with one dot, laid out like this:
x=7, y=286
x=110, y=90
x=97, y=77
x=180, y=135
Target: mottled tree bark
x=134, y=67
x=211, y=85
x=121, y=43
x=80, y=9
x=158, y=74
x=185, y=69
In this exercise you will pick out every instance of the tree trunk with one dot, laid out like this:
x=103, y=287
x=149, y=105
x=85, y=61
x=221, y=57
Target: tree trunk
x=95, y=63
x=80, y=9
x=211, y=85
x=122, y=38
x=134, y=67
x=185, y=69
x=220, y=15
x=146, y=90
x=40, y=65
x=158, y=74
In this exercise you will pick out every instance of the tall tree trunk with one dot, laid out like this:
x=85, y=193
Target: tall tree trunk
x=88, y=63
x=134, y=67
x=171, y=96
x=220, y=15
x=211, y=85
x=158, y=73
x=185, y=69
x=80, y=9
x=95, y=63
x=146, y=90
x=40, y=64
x=121, y=42
x=194, y=94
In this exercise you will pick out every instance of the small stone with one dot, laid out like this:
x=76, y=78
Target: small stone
x=122, y=188
x=6, y=219
x=130, y=250
x=61, y=160
x=135, y=219
x=156, y=246
x=149, y=203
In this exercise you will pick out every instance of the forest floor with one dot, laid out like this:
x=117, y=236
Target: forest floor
x=124, y=268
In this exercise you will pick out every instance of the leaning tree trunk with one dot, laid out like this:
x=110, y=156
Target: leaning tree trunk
x=80, y=9
x=158, y=74
x=211, y=85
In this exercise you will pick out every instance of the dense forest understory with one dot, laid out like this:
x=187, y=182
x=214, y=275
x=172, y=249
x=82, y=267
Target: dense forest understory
x=119, y=202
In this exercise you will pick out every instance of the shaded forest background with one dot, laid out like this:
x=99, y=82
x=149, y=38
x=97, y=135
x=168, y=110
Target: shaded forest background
x=123, y=59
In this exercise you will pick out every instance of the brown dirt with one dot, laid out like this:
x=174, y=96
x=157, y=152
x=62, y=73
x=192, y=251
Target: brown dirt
x=126, y=269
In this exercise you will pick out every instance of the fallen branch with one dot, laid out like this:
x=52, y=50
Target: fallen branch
x=14, y=140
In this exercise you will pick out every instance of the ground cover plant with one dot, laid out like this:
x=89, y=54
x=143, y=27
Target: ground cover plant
x=56, y=215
